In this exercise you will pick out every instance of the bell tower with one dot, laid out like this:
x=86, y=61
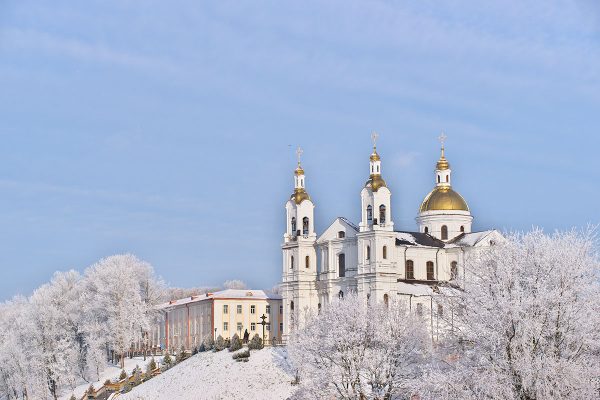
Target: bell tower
x=299, y=274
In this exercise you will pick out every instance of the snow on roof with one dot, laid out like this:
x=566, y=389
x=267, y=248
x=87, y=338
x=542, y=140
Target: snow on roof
x=349, y=223
x=416, y=289
x=417, y=239
x=468, y=239
x=223, y=294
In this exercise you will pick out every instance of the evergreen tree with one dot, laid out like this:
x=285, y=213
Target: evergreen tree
x=167, y=360
x=182, y=354
x=255, y=343
x=123, y=375
x=236, y=343
x=209, y=342
x=151, y=366
x=201, y=348
x=220, y=343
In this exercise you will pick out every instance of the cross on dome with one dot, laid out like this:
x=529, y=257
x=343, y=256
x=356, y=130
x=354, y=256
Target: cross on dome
x=442, y=138
x=374, y=137
x=299, y=152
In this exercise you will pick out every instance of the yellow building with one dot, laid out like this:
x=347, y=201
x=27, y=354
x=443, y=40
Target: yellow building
x=188, y=321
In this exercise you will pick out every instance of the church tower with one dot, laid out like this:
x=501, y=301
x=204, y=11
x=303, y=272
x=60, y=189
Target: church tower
x=376, y=277
x=299, y=275
x=444, y=213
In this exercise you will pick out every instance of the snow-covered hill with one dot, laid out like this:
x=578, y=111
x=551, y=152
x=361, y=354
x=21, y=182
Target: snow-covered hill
x=210, y=376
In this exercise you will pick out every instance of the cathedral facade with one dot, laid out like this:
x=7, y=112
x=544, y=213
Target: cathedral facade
x=372, y=258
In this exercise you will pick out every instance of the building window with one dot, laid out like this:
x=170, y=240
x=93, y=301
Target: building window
x=444, y=232
x=447, y=178
x=385, y=252
x=268, y=310
x=293, y=225
x=419, y=309
x=239, y=326
x=341, y=294
x=438, y=179
x=292, y=262
x=453, y=270
x=225, y=309
x=342, y=265
x=305, y=226
x=239, y=308
x=280, y=327
x=292, y=305
x=268, y=326
x=368, y=252
x=307, y=261
x=426, y=230
x=225, y=326
x=252, y=309
x=252, y=326
x=341, y=234
x=430, y=270
x=369, y=213
x=462, y=228
x=410, y=269
x=281, y=309
x=381, y=214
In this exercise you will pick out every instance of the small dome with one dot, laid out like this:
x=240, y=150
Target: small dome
x=299, y=196
x=375, y=156
x=375, y=182
x=444, y=198
x=299, y=171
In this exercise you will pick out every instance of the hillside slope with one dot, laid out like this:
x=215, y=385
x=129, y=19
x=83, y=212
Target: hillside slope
x=210, y=376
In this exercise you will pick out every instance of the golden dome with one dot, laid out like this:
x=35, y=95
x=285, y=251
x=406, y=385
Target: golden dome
x=299, y=195
x=375, y=182
x=444, y=198
x=375, y=156
x=299, y=171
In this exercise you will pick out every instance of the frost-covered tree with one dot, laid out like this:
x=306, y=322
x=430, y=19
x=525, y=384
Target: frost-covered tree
x=236, y=343
x=355, y=350
x=235, y=284
x=526, y=326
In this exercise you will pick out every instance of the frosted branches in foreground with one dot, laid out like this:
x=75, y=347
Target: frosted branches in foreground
x=527, y=325
x=352, y=350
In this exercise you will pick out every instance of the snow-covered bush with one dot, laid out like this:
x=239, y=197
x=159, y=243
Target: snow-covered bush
x=219, y=343
x=526, y=325
x=241, y=355
x=355, y=350
x=201, y=348
x=235, y=284
x=123, y=375
x=167, y=360
x=255, y=343
x=182, y=355
x=209, y=342
x=236, y=343
x=151, y=366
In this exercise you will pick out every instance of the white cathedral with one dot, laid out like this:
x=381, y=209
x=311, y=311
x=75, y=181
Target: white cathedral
x=372, y=259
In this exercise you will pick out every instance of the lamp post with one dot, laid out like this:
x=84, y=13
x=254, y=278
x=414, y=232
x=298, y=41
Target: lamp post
x=263, y=323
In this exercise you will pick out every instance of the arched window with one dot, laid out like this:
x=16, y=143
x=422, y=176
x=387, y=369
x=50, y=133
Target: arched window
x=447, y=178
x=341, y=234
x=430, y=276
x=293, y=225
x=342, y=265
x=319, y=307
x=385, y=252
x=378, y=168
x=462, y=228
x=341, y=294
x=368, y=252
x=426, y=230
x=307, y=261
x=292, y=262
x=453, y=270
x=292, y=305
x=386, y=299
x=381, y=214
x=369, y=213
x=444, y=232
x=438, y=179
x=305, y=226
x=410, y=269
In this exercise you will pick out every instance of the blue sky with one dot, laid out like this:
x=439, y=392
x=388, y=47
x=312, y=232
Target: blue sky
x=167, y=129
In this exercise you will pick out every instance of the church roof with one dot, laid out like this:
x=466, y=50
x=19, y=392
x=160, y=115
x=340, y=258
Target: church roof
x=349, y=223
x=469, y=239
x=222, y=294
x=417, y=239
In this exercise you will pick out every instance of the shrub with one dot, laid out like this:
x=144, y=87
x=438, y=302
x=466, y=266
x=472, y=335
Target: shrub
x=241, y=355
x=182, y=354
x=167, y=360
x=194, y=351
x=255, y=343
x=236, y=343
x=72, y=397
x=90, y=389
x=151, y=366
x=201, y=348
x=123, y=375
x=209, y=342
x=220, y=343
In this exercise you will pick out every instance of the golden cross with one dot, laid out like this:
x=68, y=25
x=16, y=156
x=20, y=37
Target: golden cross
x=299, y=152
x=374, y=137
x=442, y=139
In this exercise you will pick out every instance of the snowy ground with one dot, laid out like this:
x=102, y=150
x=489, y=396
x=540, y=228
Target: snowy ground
x=111, y=372
x=211, y=376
